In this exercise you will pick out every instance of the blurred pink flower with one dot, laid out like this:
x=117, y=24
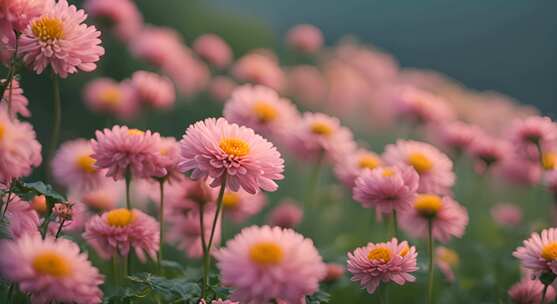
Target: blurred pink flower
x=529, y=291
x=348, y=168
x=250, y=262
x=489, y=152
x=213, y=49
x=159, y=46
x=539, y=253
x=305, y=38
x=456, y=136
x=334, y=272
x=519, y=170
x=105, y=95
x=153, y=89
x=14, y=95
x=122, y=16
x=305, y=83
x=446, y=260
x=18, y=13
x=22, y=218
x=505, y=214
x=240, y=205
x=532, y=133
x=221, y=88
x=422, y=107
x=287, y=214
x=259, y=69
x=59, y=39
x=103, y=198
x=379, y=263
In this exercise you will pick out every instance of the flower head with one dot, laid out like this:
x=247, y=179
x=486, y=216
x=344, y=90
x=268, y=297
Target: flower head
x=348, y=168
x=507, y=215
x=153, y=89
x=240, y=205
x=259, y=68
x=123, y=16
x=305, y=38
x=379, y=263
x=264, y=263
x=14, y=100
x=22, y=218
x=213, y=49
x=533, y=133
x=539, y=253
x=59, y=39
x=105, y=95
x=287, y=214
x=529, y=291
x=422, y=107
x=18, y=13
x=446, y=260
x=457, y=136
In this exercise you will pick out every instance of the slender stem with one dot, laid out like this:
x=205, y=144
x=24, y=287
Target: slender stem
x=394, y=225
x=115, y=273
x=126, y=264
x=57, y=119
x=543, y=293
x=8, y=200
x=314, y=181
x=60, y=228
x=128, y=182
x=161, y=223
x=430, y=269
x=205, y=281
x=381, y=294
x=11, y=292
x=46, y=220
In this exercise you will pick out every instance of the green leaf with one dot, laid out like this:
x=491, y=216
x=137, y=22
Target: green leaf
x=177, y=289
x=318, y=297
x=29, y=190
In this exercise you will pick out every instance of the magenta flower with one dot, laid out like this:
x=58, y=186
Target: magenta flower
x=287, y=214
x=240, y=205
x=387, y=189
x=539, y=253
x=222, y=151
x=50, y=270
x=348, y=168
x=59, y=39
x=104, y=95
x=434, y=167
x=213, y=49
x=379, y=263
x=264, y=263
x=22, y=218
x=124, y=17
x=153, y=89
x=305, y=38
x=529, y=291
x=118, y=231
x=18, y=101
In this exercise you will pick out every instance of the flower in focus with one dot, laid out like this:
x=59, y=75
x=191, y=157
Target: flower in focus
x=118, y=231
x=348, y=168
x=122, y=16
x=251, y=262
x=434, y=167
x=261, y=109
x=447, y=260
x=507, y=215
x=305, y=38
x=529, y=291
x=240, y=205
x=258, y=68
x=50, y=270
x=153, y=89
x=447, y=217
x=533, y=135
x=22, y=218
x=59, y=39
x=387, y=189
x=287, y=214
x=14, y=101
x=379, y=263
x=121, y=150
x=222, y=151
x=104, y=95
x=539, y=253
x=213, y=49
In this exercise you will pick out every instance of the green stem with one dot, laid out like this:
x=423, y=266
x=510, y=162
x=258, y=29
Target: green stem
x=128, y=182
x=161, y=223
x=60, y=228
x=430, y=269
x=314, y=181
x=382, y=294
x=10, y=292
x=543, y=293
x=115, y=273
x=57, y=119
x=394, y=224
x=205, y=255
x=46, y=220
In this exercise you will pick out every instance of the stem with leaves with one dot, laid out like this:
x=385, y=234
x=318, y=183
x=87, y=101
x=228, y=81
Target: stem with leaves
x=161, y=224
x=57, y=119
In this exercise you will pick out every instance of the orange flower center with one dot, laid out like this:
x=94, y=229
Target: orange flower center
x=86, y=163
x=266, y=253
x=368, y=161
x=234, y=146
x=51, y=263
x=135, y=132
x=264, y=111
x=111, y=96
x=120, y=217
x=380, y=253
x=448, y=256
x=549, y=160
x=404, y=251
x=549, y=251
x=321, y=128
x=420, y=162
x=47, y=29
x=230, y=200
x=388, y=172
x=428, y=204
x=2, y=131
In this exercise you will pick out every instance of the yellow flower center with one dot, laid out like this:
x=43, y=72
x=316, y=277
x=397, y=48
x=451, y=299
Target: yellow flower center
x=368, y=161
x=549, y=251
x=420, y=162
x=266, y=253
x=111, y=96
x=48, y=29
x=51, y=263
x=428, y=204
x=549, y=160
x=135, y=132
x=86, y=163
x=404, y=251
x=321, y=128
x=234, y=146
x=380, y=253
x=449, y=256
x=230, y=200
x=120, y=217
x=264, y=111
x=388, y=172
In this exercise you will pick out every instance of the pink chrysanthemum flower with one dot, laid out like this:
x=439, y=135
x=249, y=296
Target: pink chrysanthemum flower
x=18, y=13
x=190, y=74
x=379, y=263
x=387, y=189
x=347, y=169
x=74, y=168
x=7, y=42
x=519, y=171
x=529, y=291
x=264, y=263
x=159, y=46
x=103, y=198
x=456, y=136
x=213, y=49
x=318, y=135
x=305, y=38
x=533, y=133
x=334, y=272
x=240, y=205
x=170, y=157
x=539, y=253
x=222, y=151
x=122, y=16
x=505, y=214
x=72, y=217
x=118, y=231
x=19, y=149
x=121, y=149
x=422, y=107
x=447, y=217
x=261, y=109
x=22, y=218
x=287, y=214
x=221, y=88
x=433, y=166
x=104, y=95
x=489, y=152
x=446, y=260
x=50, y=270
x=14, y=100
x=259, y=69
x=306, y=84
x=153, y=89
x=59, y=39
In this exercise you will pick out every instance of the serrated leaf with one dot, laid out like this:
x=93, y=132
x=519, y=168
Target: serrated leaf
x=169, y=289
x=28, y=191
x=318, y=297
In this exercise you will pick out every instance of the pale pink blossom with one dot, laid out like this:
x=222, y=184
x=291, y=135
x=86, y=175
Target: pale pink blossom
x=22, y=218
x=505, y=214
x=240, y=206
x=213, y=49
x=13, y=100
x=532, y=133
x=122, y=15
x=104, y=95
x=287, y=214
x=259, y=69
x=529, y=291
x=154, y=90
x=539, y=253
x=221, y=88
x=305, y=38
x=446, y=260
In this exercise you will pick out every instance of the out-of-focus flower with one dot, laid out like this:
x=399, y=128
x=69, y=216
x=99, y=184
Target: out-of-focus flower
x=59, y=39
x=539, y=253
x=446, y=260
x=18, y=13
x=221, y=88
x=7, y=42
x=348, y=168
x=190, y=74
x=122, y=16
x=121, y=149
x=305, y=38
x=50, y=270
x=529, y=291
x=240, y=205
x=103, y=198
x=533, y=133
x=379, y=263
x=334, y=272
x=250, y=261
x=259, y=69
x=456, y=136
x=118, y=231
x=387, y=189
x=306, y=84
x=153, y=89
x=287, y=214
x=506, y=214
x=19, y=149
x=422, y=107
x=213, y=49
x=105, y=95
x=519, y=170
x=71, y=216
x=434, y=167
x=22, y=218
x=447, y=217
x=13, y=100
x=489, y=152
x=227, y=152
